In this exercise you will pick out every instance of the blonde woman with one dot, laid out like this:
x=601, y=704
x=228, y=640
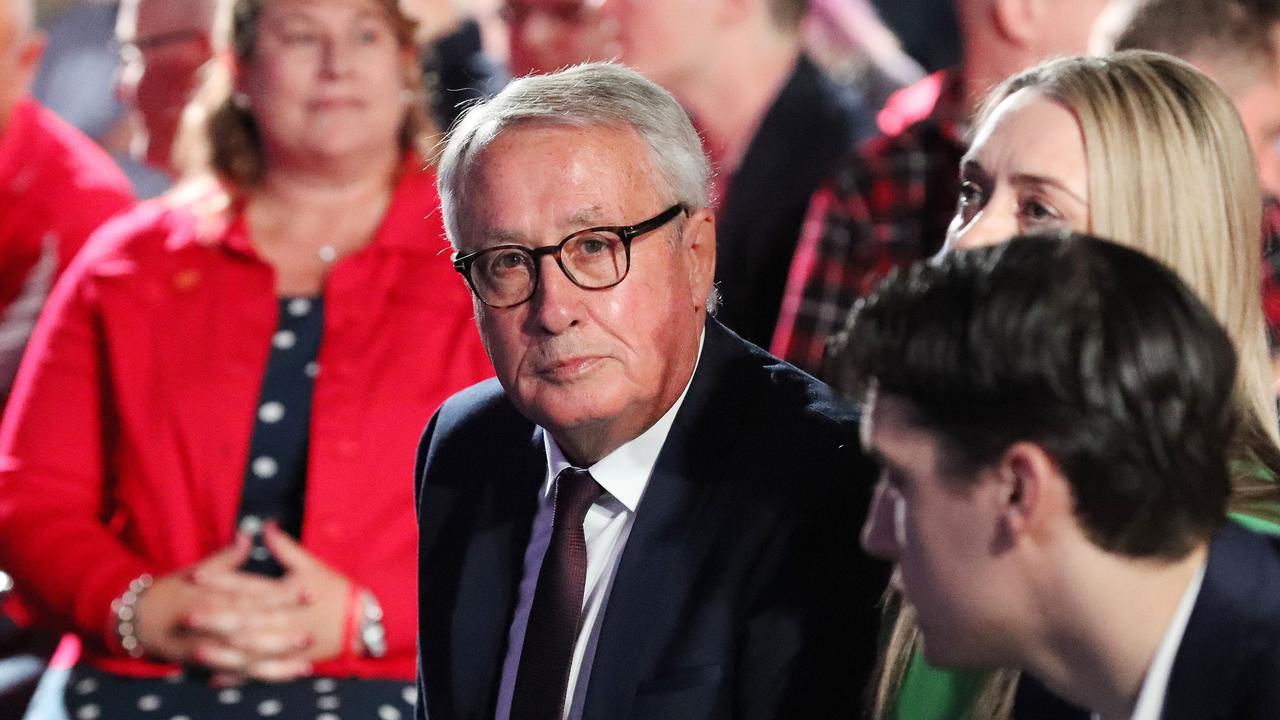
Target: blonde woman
x=1142, y=148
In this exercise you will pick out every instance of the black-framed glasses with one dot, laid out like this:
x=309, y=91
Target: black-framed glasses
x=504, y=276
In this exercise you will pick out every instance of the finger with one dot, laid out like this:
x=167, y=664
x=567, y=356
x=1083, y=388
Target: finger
x=291, y=555
x=221, y=658
x=279, y=670
x=227, y=559
x=251, y=588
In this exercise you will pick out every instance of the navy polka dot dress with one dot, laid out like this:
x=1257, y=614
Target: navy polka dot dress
x=274, y=489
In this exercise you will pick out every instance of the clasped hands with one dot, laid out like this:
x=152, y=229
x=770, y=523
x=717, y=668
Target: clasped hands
x=245, y=626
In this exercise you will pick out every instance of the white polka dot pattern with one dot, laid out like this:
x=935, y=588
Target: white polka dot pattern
x=270, y=708
x=271, y=412
x=149, y=703
x=387, y=712
x=299, y=307
x=284, y=339
x=230, y=696
x=89, y=712
x=265, y=467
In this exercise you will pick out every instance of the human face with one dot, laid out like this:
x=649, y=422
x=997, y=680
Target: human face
x=667, y=40
x=547, y=35
x=326, y=81
x=1259, y=106
x=594, y=367
x=20, y=52
x=939, y=532
x=163, y=44
x=1025, y=172
x=1065, y=28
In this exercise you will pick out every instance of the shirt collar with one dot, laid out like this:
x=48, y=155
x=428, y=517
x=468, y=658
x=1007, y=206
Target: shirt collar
x=1155, y=685
x=624, y=473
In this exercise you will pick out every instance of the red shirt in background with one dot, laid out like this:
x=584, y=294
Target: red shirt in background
x=56, y=187
x=125, y=445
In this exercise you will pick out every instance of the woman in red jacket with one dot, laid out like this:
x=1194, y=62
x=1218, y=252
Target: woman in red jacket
x=205, y=470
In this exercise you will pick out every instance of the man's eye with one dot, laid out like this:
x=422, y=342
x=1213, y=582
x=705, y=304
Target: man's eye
x=509, y=260
x=593, y=245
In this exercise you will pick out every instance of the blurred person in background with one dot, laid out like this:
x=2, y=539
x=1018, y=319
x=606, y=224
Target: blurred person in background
x=163, y=45
x=549, y=35
x=456, y=69
x=849, y=40
x=204, y=475
x=772, y=121
x=56, y=187
x=889, y=202
x=1237, y=43
x=1144, y=149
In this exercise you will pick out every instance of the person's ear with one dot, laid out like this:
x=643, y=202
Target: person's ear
x=1031, y=491
x=699, y=244
x=30, y=55
x=1017, y=21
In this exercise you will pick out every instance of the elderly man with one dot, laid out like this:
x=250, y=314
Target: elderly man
x=643, y=516
x=1053, y=430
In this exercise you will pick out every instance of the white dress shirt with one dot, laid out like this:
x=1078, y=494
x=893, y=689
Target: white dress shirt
x=1155, y=686
x=624, y=474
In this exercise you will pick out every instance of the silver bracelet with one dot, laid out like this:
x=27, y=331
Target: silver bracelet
x=125, y=609
x=372, y=635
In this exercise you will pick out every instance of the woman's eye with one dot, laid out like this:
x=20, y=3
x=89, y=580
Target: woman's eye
x=1039, y=212
x=969, y=193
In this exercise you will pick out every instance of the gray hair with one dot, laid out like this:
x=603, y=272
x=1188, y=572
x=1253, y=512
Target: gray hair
x=590, y=95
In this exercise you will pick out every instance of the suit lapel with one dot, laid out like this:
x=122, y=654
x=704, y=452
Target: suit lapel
x=653, y=575
x=1218, y=632
x=485, y=567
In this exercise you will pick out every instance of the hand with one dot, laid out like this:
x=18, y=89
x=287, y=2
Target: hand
x=265, y=636
x=168, y=609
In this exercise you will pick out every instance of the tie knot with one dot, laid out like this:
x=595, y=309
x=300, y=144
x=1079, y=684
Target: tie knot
x=576, y=490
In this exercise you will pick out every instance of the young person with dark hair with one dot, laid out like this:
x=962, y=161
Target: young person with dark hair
x=1053, y=417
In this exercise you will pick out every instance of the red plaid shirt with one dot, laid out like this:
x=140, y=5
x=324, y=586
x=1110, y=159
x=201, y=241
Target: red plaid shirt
x=887, y=205
x=1271, y=271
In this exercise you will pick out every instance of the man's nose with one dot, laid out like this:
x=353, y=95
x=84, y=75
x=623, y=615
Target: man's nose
x=879, y=532
x=556, y=302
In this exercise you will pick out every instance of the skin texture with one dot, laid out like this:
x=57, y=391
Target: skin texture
x=547, y=35
x=164, y=44
x=1026, y=171
x=594, y=367
x=938, y=532
x=20, y=51
x=326, y=80
x=1259, y=105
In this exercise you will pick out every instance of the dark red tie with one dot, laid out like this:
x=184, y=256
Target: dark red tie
x=552, y=632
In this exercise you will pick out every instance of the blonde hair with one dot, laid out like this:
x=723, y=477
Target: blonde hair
x=1171, y=174
x=220, y=135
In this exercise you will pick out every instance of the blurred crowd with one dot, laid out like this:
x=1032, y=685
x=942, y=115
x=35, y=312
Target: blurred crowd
x=226, y=291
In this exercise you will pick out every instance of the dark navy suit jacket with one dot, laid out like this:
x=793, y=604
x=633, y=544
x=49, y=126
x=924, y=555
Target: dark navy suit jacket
x=741, y=592
x=1228, y=665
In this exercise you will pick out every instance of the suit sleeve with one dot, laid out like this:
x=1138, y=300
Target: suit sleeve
x=810, y=643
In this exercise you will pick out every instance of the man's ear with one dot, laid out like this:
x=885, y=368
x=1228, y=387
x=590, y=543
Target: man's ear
x=29, y=57
x=1031, y=491
x=1018, y=21
x=699, y=242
